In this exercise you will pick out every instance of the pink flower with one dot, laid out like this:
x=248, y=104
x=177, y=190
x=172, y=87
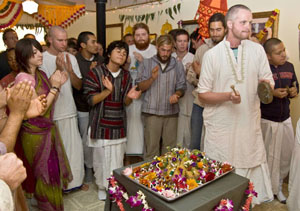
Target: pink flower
x=168, y=193
x=127, y=171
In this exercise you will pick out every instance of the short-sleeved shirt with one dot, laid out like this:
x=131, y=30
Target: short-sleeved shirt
x=64, y=106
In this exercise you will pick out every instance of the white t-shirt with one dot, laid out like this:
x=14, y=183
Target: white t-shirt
x=148, y=53
x=64, y=106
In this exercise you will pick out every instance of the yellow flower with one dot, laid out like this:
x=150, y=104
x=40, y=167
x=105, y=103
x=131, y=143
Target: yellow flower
x=191, y=183
x=200, y=165
x=151, y=176
x=144, y=165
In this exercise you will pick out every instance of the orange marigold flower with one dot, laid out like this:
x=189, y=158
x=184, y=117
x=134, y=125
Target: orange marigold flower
x=200, y=165
x=191, y=184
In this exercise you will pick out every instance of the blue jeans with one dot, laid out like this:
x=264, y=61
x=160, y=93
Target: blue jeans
x=196, y=126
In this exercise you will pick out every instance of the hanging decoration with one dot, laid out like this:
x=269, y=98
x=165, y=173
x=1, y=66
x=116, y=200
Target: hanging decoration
x=129, y=30
x=165, y=28
x=10, y=13
x=262, y=33
x=171, y=11
x=52, y=15
x=206, y=9
x=36, y=26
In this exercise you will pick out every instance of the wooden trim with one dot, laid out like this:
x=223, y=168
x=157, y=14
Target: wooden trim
x=116, y=25
x=267, y=14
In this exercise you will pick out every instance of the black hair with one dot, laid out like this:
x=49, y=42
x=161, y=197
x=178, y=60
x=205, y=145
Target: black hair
x=195, y=35
x=268, y=46
x=5, y=32
x=181, y=32
x=83, y=37
x=72, y=44
x=24, y=52
x=216, y=18
x=116, y=44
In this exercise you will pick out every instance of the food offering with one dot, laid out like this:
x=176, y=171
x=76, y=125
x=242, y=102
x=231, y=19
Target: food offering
x=178, y=172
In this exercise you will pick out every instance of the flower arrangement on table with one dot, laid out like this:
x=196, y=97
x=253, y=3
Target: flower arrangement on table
x=177, y=172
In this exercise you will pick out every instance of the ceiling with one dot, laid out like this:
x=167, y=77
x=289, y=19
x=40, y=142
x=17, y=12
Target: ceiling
x=91, y=5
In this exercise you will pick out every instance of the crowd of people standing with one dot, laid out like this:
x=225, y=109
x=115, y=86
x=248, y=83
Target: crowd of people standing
x=82, y=116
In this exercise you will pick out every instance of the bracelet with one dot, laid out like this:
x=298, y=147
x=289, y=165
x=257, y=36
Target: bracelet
x=55, y=88
x=53, y=92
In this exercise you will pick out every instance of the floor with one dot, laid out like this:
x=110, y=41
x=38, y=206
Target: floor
x=88, y=201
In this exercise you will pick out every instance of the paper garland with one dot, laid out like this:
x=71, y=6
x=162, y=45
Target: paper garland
x=171, y=11
x=10, y=13
x=52, y=15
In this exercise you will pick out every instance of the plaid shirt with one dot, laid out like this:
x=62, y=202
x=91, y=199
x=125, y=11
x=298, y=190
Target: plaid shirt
x=169, y=80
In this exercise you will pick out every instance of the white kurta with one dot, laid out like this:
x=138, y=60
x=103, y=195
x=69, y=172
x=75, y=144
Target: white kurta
x=135, y=128
x=185, y=106
x=233, y=131
x=293, y=201
x=65, y=117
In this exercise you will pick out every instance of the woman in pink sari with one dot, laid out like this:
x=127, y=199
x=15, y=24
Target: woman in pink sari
x=39, y=144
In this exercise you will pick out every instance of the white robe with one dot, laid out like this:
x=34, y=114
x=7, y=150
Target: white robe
x=233, y=131
x=293, y=201
x=135, y=128
x=185, y=106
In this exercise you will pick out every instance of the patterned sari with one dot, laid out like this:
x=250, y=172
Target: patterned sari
x=43, y=154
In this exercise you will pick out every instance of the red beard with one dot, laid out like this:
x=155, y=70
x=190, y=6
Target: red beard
x=142, y=46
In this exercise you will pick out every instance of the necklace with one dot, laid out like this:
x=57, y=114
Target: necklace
x=234, y=71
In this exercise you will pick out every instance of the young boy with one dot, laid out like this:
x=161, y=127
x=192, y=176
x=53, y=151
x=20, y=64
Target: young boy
x=108, y=90
x=276, y=122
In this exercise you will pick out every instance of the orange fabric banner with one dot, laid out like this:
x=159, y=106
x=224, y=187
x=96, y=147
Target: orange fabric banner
x=206, y=9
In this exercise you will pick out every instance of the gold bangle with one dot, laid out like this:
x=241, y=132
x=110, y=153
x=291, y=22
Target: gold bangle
x=53, y=92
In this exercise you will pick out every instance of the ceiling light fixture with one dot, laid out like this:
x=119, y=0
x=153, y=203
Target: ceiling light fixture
x=30, y=6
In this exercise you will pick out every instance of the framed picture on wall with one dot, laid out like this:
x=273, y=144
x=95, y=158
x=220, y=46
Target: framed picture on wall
x=260, y=19
x=113, y=32
x=190, y=25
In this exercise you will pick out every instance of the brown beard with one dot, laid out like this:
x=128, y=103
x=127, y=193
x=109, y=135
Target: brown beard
x=142, y=46
x=163, y=61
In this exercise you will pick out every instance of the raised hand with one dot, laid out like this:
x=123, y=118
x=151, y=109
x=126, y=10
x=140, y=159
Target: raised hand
x=154, y=74
x=134, y=93
x=138, y=56
x=57, y=78
x=37, y=107
x=18, y=98
x=107, y=84
x=93, y=65
x=60, y=62
x=64, y=77
x=174, y=99
x=68, y=63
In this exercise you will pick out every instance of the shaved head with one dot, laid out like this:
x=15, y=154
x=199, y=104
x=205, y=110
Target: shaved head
x=54, y=29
